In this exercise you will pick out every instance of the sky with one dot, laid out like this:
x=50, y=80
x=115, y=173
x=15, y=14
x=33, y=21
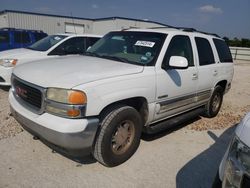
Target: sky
x=230, y=18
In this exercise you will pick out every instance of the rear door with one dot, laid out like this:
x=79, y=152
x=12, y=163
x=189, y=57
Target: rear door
x=207, y=69
x=176, y=88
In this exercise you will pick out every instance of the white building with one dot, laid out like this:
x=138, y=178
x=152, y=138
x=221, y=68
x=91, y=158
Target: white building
x=66, y=24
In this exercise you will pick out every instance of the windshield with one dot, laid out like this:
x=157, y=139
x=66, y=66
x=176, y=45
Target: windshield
x=140, y=48
x=46, y=43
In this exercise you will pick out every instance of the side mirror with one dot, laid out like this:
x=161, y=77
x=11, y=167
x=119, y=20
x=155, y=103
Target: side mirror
x=178, y=62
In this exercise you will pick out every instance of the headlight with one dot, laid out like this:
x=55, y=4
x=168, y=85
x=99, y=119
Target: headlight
x=241, y=152
x=66, y=96
x=8, y=62
x=238, y=163
x=66, y=103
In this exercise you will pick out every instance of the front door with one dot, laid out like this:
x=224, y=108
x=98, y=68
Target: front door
x=176, y=88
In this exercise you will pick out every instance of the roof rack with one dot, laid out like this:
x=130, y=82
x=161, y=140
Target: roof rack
x=15, y=29
x=187, y=29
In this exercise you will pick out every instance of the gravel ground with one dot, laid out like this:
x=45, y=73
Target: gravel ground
x=8, y=125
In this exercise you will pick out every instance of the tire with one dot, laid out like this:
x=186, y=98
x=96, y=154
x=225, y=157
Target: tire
x=213, y=106
x=119, y=136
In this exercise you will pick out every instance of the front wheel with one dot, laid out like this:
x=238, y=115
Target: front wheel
x=213, y=106
x=119, y=136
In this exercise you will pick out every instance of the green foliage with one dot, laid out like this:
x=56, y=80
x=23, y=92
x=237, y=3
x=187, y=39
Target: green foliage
x=237, y=42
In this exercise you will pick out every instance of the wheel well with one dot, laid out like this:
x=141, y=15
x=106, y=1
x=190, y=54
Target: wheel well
x=139, y=103
x=223, y=84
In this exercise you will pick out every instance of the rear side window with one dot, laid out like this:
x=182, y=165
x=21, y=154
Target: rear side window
x=4, y=38
x=205, y=52
x=21, y=37
x=223, y=51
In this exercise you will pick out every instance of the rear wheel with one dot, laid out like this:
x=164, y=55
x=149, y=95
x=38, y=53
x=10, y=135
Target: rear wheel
x=213, y=106
x=119, y=136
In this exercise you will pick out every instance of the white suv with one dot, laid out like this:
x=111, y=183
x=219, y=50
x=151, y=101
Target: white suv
x=128, y=82
x=49, y=47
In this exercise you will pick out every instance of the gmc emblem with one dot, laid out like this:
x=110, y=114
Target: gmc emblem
x=21, y=92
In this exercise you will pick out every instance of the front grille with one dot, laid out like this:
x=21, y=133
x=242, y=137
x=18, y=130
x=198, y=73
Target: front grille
x=30, y=95
x=246, y=182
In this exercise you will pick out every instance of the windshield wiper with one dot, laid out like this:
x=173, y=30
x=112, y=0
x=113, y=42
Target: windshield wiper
x=91, y=54
x=116, y=58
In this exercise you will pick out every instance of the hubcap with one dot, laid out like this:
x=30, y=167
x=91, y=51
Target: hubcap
x=123, y=137
x=216, y=102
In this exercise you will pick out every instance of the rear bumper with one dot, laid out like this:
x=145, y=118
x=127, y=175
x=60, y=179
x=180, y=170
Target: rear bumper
x=74, y=143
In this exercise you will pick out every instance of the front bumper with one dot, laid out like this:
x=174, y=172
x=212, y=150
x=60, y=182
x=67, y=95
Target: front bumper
x=72, y=136
x=5, y=75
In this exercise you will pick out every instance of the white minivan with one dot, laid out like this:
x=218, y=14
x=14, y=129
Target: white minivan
x=49, y=47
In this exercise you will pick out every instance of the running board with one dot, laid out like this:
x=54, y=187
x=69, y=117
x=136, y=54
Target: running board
x=172, y=122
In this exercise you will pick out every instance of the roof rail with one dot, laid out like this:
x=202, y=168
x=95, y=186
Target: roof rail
x=187, y=29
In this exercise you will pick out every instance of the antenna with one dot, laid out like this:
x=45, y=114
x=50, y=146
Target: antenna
x=73, y=22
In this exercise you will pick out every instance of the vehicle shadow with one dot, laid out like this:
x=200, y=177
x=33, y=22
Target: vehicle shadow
x=169, y=130
x=201, y=170
x=83, y=160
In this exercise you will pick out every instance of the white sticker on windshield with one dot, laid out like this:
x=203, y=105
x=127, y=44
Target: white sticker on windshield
x=57, y=38
x=145, y=43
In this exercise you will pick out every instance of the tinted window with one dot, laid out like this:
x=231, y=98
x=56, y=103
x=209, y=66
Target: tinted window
x=91, y=41
x=71, y=46
x=223, y=51
x=39, y=36
x=21, y=37
x=4, y=38
x=180, y=46
x=47, y=42
x=140, y=48
x=206, y=56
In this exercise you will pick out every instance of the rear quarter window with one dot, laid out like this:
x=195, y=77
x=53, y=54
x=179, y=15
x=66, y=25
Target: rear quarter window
x=223, y=51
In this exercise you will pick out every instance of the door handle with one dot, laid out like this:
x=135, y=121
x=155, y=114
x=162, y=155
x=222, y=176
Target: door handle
x=194, y=76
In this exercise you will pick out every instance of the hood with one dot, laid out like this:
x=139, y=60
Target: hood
x=22, y=54
x=243, y=130
x=68, y=72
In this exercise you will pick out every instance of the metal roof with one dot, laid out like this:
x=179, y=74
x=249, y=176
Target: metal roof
x=72, y=17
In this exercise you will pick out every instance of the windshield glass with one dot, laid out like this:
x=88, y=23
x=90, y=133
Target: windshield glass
x=46, y=43
x=133, y=47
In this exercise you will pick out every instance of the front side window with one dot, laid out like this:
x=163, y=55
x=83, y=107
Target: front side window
x=133, y=47
x=223, y=51
x=74, y=45
x=91, y=41
x=4, y=37
x=46, y=43
x=205, y=52
x=180, y=45
x=21, y=37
